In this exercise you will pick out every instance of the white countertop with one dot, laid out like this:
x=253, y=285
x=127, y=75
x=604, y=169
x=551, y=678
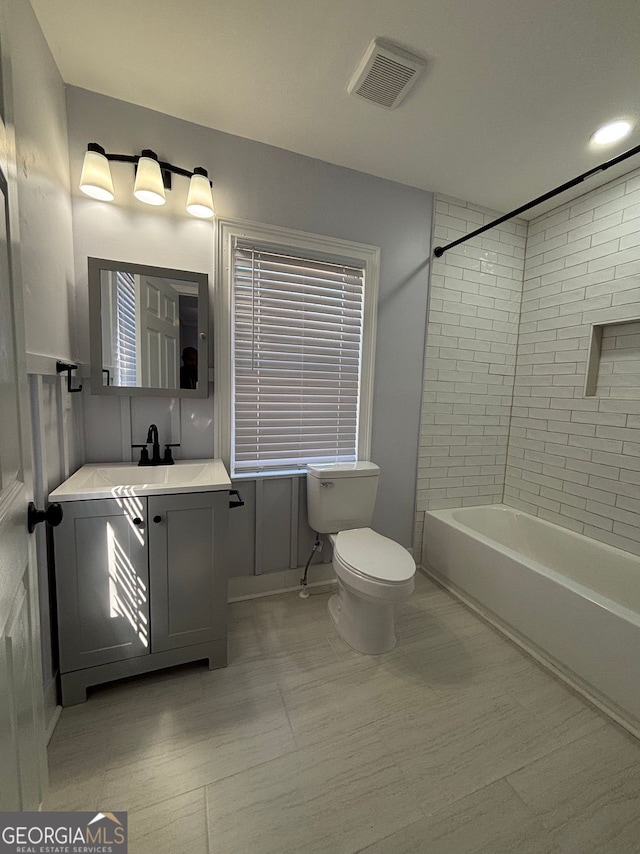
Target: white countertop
x=112, y=480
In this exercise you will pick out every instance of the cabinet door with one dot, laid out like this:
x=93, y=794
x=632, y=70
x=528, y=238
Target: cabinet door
x=102, y=582
x=188, y=568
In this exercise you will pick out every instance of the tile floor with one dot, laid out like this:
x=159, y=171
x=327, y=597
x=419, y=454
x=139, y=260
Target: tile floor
x=454, y=742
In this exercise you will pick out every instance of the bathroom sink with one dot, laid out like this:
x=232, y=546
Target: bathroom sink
x=110, y=480
x=138, y=475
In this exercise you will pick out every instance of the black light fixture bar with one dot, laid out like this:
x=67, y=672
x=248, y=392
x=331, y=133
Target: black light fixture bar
x=440, y=250
x=165, y=167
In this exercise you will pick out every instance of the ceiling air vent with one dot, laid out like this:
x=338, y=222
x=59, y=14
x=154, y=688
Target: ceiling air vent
x=386, y=74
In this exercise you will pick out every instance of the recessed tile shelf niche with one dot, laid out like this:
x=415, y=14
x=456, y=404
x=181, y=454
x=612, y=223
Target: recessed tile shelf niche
x=613, y=364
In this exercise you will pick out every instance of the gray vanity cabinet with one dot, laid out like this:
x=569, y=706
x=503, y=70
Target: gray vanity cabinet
x=102, y=583
x=188, y=580
x=141, y=584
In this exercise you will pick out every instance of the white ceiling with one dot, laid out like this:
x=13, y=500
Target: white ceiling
x=504, y=112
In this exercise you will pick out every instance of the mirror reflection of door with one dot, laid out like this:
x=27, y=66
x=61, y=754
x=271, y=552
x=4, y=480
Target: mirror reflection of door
x=158, y=326
x=149, y=329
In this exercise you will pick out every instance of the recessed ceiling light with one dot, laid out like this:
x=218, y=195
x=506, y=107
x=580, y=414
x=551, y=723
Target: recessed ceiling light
x=612, y=132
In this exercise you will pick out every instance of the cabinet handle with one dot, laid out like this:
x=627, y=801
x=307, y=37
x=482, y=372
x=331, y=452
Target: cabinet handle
x=157, y=519
x=138, y=522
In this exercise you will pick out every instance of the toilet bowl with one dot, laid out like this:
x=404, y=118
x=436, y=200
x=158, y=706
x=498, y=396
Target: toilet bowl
x=373, y=574
x=373, y=571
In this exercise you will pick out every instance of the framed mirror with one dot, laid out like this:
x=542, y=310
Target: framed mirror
x=149, y=329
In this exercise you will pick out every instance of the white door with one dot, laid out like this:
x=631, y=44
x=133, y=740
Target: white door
x=158, y=333
x=23, y=771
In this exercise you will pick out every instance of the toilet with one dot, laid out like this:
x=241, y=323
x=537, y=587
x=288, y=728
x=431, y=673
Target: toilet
x=373, y=571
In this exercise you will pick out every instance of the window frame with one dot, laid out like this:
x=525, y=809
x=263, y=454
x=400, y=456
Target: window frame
x=318, y=246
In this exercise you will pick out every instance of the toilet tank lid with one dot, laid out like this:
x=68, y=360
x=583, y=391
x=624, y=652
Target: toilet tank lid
x=329, y=471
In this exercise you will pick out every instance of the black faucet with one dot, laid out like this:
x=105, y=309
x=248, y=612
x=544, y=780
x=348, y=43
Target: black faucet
x=156, y=459
x=152, y=436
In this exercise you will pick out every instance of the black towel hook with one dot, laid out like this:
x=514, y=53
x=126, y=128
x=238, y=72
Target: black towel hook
x=63, y=366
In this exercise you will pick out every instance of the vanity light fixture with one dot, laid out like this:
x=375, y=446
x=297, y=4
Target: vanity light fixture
x=153, y=177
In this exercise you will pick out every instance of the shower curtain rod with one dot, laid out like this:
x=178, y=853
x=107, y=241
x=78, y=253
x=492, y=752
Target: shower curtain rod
x=440, y=250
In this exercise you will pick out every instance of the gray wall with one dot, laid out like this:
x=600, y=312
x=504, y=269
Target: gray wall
x=258, y=182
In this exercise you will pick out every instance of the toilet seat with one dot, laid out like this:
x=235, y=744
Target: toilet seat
x=373, y=557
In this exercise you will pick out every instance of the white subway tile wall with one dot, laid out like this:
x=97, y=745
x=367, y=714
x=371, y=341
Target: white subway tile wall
x=575, y=460
x=470, y=360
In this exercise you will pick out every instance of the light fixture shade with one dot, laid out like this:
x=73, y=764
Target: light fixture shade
x=612, y=132
x=200, y=198
x=148, y=187
x=95, y=180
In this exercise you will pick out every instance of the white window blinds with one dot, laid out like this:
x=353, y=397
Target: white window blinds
x=297, y=345
x=125, y=331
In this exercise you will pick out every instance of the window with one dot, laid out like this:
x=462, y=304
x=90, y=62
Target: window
x=301, y=346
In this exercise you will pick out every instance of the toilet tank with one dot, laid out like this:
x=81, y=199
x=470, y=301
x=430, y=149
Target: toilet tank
x=341, y=496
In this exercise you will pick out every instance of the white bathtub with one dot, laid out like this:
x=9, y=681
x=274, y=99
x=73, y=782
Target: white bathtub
x=569, y=599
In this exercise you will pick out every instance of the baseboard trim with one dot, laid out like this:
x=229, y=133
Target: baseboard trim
x=51, y=708
x=264, y=593
x=282, y=581
x=53, y=722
